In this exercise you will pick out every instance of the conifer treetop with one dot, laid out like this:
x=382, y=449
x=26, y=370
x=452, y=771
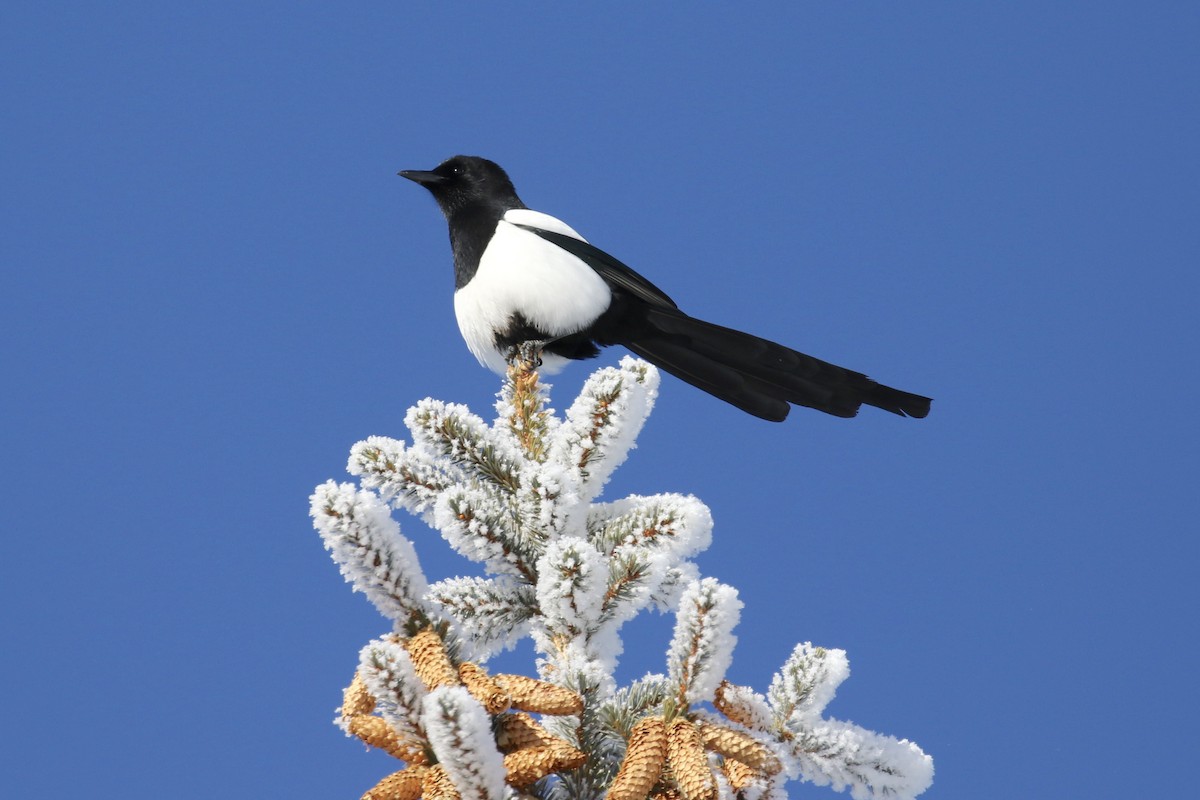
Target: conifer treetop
x=518, y=496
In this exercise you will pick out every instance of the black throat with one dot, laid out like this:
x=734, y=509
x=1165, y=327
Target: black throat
x=471, y=228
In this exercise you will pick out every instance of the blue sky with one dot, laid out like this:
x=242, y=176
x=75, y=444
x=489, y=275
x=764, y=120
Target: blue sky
x=214, y=284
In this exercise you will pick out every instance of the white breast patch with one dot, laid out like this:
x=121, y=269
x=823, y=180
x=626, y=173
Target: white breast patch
x=522, y=273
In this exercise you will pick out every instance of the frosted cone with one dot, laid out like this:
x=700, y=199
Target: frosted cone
x=484, y=688
x=356, y=700
x=376, y=732
x=689, y=762
x=739, y=746
x=643, y=762
x=567, y=757
x=525, y=767
x=726, y=702
x=436, y=785
x=402, y=785
x=430, y=661
x=530, y=694
x=520, y=731
x=739, y=774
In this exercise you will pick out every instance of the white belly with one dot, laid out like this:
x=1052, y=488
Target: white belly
x=522, y=273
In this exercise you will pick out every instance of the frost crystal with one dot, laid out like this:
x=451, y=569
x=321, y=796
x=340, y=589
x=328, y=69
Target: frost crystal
x=460, y=734
x=702, y=647
x=518, y=497
x=388, y=675
x=369, y=548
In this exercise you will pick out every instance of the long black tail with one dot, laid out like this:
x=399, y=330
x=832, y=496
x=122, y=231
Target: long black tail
x=758, y=376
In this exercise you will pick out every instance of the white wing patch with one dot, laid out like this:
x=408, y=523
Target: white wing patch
x=536, y=219
x=522, y=273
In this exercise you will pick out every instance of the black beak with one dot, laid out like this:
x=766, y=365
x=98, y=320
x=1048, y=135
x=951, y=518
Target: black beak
x=423, y=177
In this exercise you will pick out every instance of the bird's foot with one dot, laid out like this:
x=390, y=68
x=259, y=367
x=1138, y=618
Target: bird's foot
x=525, y=354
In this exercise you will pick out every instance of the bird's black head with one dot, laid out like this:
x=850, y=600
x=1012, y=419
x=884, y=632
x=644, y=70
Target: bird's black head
x=467, y=183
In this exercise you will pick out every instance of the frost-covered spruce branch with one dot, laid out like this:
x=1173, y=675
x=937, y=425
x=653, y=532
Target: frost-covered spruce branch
x=519, y=497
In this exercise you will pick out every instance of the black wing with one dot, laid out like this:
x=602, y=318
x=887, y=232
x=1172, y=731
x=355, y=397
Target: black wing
x=610, y=269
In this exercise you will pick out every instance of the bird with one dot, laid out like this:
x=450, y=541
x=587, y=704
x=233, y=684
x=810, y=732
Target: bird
x=523, y=276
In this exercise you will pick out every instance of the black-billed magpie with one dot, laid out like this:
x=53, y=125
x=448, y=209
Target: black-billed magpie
x=521, y=275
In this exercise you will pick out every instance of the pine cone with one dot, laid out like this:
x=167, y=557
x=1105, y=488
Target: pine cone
x=484, y=688
x=740, y=746
x=520, y=731
x=567, y=757
x=402, y=785
x=740, y=776
x=643, y=762
x=667, y=793
x=525, y=767
x=436, y=785
x=530, y=694
x=689, y=762
x=376, y=732
x=356, y=700
x=726, y=702
x=430, y=661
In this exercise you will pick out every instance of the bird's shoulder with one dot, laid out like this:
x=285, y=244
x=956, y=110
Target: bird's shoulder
x=616, y=274
x=537, y=221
